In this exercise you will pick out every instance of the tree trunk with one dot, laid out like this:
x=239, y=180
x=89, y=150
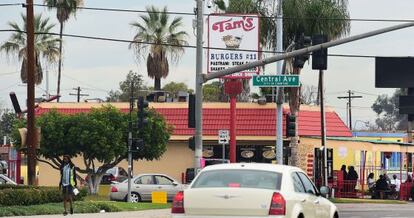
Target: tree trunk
x=157, y=87
x=294, y=105
x=93, y=183
x=60, y=60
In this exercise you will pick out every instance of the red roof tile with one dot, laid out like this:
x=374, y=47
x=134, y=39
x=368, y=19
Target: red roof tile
x=250, y=121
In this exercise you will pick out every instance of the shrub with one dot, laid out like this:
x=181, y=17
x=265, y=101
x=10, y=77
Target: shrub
x=29, y=196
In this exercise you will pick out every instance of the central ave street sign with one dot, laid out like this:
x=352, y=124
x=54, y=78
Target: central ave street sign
x=276, y=80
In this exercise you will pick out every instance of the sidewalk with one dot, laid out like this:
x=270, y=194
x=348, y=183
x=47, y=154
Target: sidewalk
x=164, y=213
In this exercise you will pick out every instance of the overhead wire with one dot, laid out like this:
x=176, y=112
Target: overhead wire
x=233, y=15
x=11, y=73
x=86, y=84
x=185, y=46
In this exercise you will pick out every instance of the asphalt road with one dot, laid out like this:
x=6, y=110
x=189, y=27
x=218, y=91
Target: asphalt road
x=345, y=211
x=376, y=210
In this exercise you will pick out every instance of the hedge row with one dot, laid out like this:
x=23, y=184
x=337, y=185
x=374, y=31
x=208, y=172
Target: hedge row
x=27, y=195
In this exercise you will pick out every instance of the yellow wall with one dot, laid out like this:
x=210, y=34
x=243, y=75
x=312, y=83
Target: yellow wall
x=175, y=160
x=388, y=139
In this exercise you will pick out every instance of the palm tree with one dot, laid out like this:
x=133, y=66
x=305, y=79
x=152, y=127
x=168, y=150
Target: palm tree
x=46, y=46
x=64, y=8
x=159, y=40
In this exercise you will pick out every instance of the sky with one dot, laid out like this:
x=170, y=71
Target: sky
x=98, y=66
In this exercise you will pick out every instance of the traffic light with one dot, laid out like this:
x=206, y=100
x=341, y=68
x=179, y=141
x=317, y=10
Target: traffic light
x=191, y=143
x=191, y=111
x=301, y=42
x=137, y=144
x=142, y=114
x=319, y=57
x=290, y=125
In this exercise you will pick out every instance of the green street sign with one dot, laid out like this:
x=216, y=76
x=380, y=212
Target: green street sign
x=276, y=80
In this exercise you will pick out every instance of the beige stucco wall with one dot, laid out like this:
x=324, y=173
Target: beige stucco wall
x=175, y=160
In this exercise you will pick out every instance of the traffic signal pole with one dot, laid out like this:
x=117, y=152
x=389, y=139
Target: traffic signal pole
x=323, y=129
x=199, y=89
x=279, y=101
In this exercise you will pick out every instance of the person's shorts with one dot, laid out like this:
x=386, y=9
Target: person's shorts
x=67, y=190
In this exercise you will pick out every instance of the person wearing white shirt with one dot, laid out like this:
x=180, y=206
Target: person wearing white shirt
x=396, y=182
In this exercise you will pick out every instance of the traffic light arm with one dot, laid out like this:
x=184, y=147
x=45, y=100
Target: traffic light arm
x=295, y=53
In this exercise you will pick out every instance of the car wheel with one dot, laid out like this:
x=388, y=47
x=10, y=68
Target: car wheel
x=135, y=197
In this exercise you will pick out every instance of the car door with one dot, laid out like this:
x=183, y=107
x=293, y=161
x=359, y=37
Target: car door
x=167, y=184
x=144, y=186
x=315, y=199
x=304, y=199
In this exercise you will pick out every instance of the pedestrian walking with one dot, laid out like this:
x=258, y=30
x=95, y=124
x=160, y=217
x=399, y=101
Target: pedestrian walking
x=67, y=183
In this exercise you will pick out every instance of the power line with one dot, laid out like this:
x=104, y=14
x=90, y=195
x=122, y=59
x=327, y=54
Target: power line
x=119, y=10
x=365, y=93
x=8, y=87
x=189, y=46
x=233, y=15
x=86, y=84
x=350, y=97
x=78, y=94
x=11, y=4
x=11, y=73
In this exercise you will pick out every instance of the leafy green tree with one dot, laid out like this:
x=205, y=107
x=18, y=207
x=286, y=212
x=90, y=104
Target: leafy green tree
x=7, y=119
x=46, y=46
x=64, y=9
x=158, y=40
x=174, y=88
x=123, y=94
x=388, y=117
x=99, y=137
x=213, y=92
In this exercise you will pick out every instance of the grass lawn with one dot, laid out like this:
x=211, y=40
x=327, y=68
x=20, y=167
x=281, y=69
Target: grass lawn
x=79, y=207
x=368, y=201
x=124, y=206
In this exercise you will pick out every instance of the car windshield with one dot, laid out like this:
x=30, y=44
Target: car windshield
x=239, y=179
x=111, y=171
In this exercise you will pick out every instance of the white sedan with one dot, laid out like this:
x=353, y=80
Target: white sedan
x=252, y=190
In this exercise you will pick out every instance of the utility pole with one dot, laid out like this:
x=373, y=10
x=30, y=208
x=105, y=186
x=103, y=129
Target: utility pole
x=78, y=93
x=279, y=101
x=31, y=122
x=198, y=152
x=350, y=97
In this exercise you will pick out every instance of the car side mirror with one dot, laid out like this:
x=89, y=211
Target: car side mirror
x=324, y=191
x=175, y=183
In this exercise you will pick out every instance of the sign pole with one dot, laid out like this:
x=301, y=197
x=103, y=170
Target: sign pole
x=279, y=102
x=223, y=139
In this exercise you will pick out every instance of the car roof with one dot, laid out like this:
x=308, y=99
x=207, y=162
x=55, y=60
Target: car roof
x=254, y=166
x=152, y=174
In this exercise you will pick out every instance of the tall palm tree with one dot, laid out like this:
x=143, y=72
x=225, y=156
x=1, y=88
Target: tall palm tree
x=159, y=40
x=64, y=8
x=46, y=46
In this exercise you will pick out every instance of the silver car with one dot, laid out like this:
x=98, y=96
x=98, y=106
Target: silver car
x=143, y=185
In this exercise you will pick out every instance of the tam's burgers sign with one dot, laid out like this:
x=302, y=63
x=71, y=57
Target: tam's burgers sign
x=233, y=40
